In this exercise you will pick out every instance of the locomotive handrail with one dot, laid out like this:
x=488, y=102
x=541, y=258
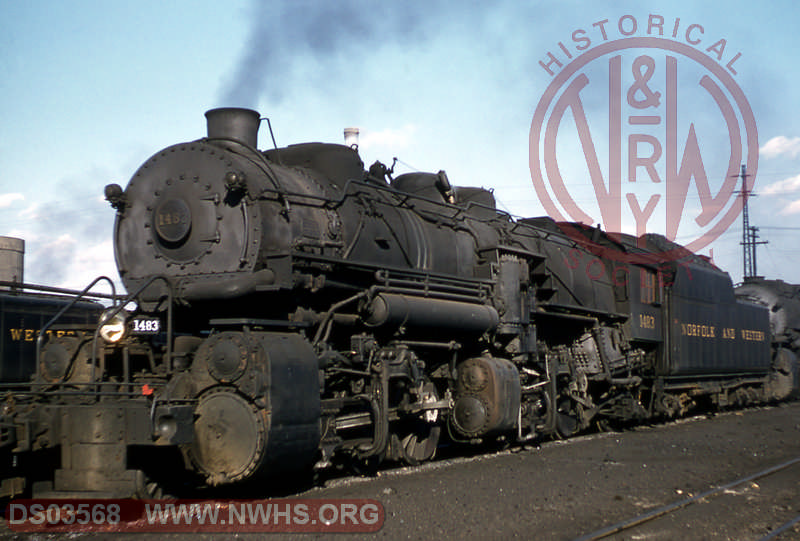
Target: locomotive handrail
x=131, y=296
x=444, y=295
x=428, y=288
x=65, y=389
x=80, y=295
x=398, y=270
x=263, y=161
x=333, y=203
x=566, y=310
x=16, y=287
x=327, y=317
x=405, y=196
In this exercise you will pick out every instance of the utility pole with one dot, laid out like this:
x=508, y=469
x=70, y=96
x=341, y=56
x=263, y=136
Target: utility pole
x=749, y=233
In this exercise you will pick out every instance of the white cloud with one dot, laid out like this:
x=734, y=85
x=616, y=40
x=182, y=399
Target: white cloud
x=91, y=262
x=26, y=234
x=32, y=212
x=392, y=138
x=61, y=241
x=791, y=184
x=7, y=199
x=67, y=261
x=791, y=208
x=781, y=145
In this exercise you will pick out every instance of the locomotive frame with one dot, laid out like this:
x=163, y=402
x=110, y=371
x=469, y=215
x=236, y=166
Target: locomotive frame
x=294, y=311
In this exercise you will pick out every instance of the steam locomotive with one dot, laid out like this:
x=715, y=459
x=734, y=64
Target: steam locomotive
x=289, y=310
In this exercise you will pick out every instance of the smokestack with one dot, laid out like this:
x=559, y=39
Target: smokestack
x=351, y=138
x=234, y=123
x=12, y=256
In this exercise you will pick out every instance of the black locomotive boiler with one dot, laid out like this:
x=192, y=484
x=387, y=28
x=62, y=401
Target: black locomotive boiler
x=294, y=310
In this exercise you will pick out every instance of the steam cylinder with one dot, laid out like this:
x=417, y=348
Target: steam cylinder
x=269, y=422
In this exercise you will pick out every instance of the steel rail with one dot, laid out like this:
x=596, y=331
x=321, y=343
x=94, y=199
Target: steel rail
x=670, y=508
x=780, y=529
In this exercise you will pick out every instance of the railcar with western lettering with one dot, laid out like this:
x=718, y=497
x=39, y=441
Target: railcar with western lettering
x=288, y=310
x=23, y=314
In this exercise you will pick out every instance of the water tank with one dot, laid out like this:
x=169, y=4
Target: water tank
x=12, y=254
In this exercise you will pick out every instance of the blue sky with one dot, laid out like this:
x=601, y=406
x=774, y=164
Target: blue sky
x=91, y=89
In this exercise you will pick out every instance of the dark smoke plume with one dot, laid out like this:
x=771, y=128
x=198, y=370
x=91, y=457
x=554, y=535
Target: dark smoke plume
x=335, y=35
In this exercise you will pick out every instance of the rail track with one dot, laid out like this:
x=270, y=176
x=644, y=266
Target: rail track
x=717, y=503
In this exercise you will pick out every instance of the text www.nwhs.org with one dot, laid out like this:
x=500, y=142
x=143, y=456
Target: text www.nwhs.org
x=299, y=514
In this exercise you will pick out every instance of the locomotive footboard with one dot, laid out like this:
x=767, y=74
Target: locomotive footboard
x=85, y=450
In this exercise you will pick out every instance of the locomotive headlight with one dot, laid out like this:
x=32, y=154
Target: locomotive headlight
x=114, y=329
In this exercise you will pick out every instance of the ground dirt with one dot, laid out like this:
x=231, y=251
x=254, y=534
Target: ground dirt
x=565, y=490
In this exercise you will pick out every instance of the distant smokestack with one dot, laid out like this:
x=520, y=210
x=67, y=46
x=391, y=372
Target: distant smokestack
x=12, y=256
x=351, y=137
x=234, y=123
